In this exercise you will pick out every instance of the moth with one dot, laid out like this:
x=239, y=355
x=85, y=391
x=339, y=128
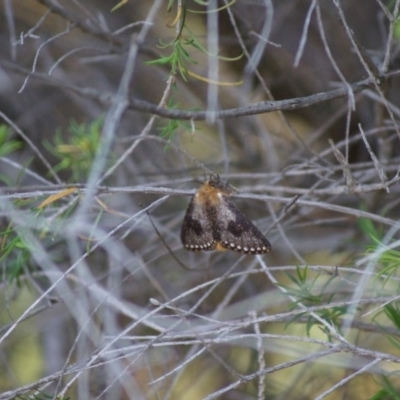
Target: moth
x=213, y=222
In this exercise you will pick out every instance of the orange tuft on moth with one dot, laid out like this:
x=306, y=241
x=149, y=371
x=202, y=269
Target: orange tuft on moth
x=213, y=222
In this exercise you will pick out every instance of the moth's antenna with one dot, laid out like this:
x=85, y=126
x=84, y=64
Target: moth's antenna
x=166, y=244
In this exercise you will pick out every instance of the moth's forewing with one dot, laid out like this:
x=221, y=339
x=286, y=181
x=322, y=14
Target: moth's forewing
x=196, y=233
x=237, y=232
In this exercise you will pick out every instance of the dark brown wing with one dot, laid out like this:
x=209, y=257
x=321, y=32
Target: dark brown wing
x=234, y=231
x=197, y=233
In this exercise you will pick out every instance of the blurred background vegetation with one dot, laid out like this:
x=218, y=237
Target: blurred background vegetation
x=98, y=298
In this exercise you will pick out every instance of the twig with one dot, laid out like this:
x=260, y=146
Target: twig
x=350, y=181
x=382, y=174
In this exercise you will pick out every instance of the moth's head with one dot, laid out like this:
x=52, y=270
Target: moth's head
x=216, y=182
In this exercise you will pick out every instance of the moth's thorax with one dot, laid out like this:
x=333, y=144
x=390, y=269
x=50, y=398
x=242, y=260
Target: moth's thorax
x=210, y=194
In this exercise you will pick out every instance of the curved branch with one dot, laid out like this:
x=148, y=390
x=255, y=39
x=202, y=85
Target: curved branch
x=256, y=108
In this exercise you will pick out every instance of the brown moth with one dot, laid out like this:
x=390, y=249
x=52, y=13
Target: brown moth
x=213, y=222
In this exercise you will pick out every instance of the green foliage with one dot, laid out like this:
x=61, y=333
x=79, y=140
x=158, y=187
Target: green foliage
x=393, y=313
x=307, y=292
x=389, y=261
x=396, y=20
x=388, y=257
x=16, y=249
x=19, y=250
x=178, y=59
x=18, y=243
x=368, y=228
x=388, y=391
x=171, y=126
x=77, y=149
x=179, y=56
x=396, y=30
x=7, y=146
